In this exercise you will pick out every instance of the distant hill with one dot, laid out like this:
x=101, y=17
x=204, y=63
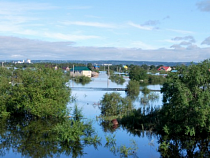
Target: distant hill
x=113, y=62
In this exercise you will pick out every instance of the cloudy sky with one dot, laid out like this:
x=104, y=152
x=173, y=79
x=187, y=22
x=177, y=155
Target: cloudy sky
x=152, y=30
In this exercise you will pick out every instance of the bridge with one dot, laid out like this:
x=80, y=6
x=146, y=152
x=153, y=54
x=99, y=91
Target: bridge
x=102, y=89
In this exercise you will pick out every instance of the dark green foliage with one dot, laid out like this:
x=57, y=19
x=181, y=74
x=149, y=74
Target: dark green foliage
x=186, y=104
x=46, y=137
x=133, y=88
x=145, y=67
x=184, y=146
x=151, y=97
x=145, y=90
x=141, y=119
x=82, y=79
x=117, y=79
x=114, y=104
x=137, y=73
x=186, y=98
x=156, y=79
x=39, y=92
x=122, y=150
x=5, y=85
x=77, y=113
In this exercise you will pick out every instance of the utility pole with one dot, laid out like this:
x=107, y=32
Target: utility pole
x=73, y=70
x=108, y=71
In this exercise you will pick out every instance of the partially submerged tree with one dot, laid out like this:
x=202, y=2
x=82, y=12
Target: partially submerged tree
x=40, y=92
x=186, y=100
x=133, y=88
x=137, y=73
x=113, y=104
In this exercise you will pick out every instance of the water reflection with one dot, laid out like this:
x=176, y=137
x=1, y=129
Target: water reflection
x=89, y=100
x=39, y=138
x=108, y=125
x=184, y=146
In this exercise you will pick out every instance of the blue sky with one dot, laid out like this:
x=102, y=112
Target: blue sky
x=152, y=30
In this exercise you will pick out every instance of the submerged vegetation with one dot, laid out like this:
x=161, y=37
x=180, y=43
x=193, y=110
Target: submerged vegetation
x=112, y=104
x=35, y=119
x=186, y=100
x=117, y=79
x=51, y=137
x=38, y=92
x=133, y=88
x=82, y=79
x=185, y=113
x=122, y=150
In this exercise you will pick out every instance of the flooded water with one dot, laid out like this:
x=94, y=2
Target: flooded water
x=29, y=138
x=25, y=140
x=88, y=100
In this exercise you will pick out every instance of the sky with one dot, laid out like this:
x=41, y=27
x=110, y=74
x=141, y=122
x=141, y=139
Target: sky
x=138, y=30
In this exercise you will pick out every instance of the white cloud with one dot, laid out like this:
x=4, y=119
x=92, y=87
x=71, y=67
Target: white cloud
x=68, y=37
x=140, y=26
x=18, y=48
x=79, y=7
x=140, y=44
x=181, y=31
x=18, y=7
x=93, y=24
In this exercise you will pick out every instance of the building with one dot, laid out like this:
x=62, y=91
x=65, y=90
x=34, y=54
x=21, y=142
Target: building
x=164, y=68
x=28, y=61
x=80, y=71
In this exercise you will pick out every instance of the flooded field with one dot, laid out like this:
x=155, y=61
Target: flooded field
x=88, y=97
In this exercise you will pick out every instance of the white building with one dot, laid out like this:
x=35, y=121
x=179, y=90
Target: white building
x=28, y=61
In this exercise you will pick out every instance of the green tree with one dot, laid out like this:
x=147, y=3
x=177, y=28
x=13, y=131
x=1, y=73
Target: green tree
x=133, y=88
x=137, y=73
x=117, y=79
x=186, y=100
x=82, y=79
x=113, y=104
x=5, y=85
x=145, y=67
x=40, y=92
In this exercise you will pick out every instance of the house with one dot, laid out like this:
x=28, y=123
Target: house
x=80, y=71
x=164, y=68
x=65, y=69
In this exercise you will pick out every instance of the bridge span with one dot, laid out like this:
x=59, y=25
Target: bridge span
x=103, y=89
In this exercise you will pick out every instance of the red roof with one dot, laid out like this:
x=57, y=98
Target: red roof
x=163, y=68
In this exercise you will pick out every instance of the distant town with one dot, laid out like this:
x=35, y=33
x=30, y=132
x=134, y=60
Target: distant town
x=100, y=62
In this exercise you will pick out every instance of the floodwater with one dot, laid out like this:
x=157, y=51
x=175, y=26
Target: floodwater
x=88, y=100
x=27, y=143
x=30, y=138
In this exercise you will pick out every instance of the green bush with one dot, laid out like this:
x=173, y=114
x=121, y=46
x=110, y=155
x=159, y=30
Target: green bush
x=117, y=79
x=40, y=92
x=133, y=88
x=82, y=79
x=114, y=104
